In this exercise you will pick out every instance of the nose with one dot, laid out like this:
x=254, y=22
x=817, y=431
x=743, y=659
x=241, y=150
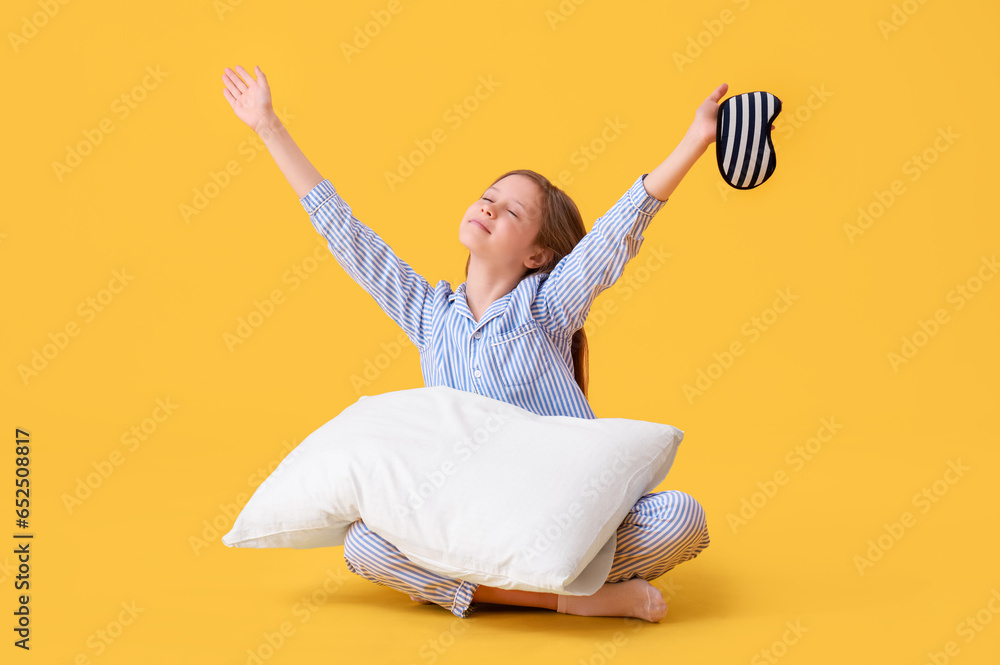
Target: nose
x=486, y=210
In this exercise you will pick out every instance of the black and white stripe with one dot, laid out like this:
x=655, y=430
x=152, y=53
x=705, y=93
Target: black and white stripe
x=743, y=138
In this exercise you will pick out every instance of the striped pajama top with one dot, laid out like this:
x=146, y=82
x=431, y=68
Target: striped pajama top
x=519, y=352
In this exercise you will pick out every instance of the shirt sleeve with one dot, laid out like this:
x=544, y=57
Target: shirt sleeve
x=397, y=288
x=597, y=261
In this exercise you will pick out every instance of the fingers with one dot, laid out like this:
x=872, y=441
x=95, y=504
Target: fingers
x=229, y=79
x=260, y=74
x=719, y=92
x=243, y=80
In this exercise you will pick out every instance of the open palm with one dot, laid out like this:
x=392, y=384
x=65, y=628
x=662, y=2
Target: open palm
x=250, y=99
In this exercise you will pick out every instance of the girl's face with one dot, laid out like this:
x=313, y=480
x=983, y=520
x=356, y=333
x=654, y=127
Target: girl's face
x=502, y=225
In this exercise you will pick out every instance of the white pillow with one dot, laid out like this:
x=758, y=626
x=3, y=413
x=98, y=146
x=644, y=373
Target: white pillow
x=466, y=486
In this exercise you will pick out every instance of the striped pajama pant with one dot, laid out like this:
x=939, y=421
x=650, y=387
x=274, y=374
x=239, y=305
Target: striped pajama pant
x=662, y=530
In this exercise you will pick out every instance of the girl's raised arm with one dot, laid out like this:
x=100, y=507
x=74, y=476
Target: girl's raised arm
x=598, y=260
x=663, y=180
x=251, y=101
x=397, y=288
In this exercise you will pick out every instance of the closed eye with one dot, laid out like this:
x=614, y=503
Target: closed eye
x=508, y=209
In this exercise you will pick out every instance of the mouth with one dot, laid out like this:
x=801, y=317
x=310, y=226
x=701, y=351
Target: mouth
x=480, y=224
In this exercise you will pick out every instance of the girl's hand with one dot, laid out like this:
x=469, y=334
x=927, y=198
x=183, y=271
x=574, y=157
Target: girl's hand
x=250, y=99
x=706, y=118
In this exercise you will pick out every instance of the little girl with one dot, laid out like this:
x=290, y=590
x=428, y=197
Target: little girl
x=512, y=331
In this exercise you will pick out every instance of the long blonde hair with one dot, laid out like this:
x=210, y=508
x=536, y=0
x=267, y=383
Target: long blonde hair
x=562, y=227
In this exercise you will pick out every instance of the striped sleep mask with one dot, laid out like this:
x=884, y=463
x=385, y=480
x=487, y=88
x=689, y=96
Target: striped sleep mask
x=743, y=138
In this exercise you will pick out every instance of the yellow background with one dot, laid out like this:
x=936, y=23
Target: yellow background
x=859, y=104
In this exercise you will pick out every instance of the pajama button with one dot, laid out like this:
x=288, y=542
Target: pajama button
x=477, y=374
x=478, y=334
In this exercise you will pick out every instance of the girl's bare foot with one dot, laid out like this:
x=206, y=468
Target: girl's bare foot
x=632, y=598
